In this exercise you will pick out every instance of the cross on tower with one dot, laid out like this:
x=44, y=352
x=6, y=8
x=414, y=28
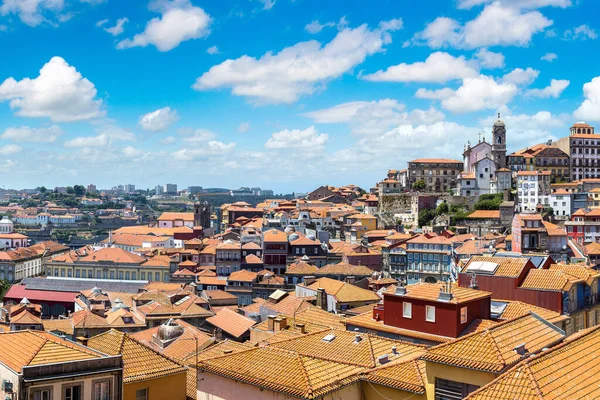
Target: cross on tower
x=479, y=134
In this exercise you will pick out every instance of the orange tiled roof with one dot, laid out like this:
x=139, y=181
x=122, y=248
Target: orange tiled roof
x=172, y=216
x=431, y=292
x=493, y=350
x=549, y=279
x=579, y=271
x=231, y=322
x=516, y=309
x=406, y=374
x=485, y=214
x=140, y=362
x=436, y=160
x=507, y=266
x=242, y=276
x=301, y=268
x=38, y=348
x=343, y=268
x=566, y=371
x=273, y=235
x=344, y=292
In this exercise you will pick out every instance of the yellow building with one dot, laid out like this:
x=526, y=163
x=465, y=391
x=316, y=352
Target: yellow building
x=458, y=368
x=147, y=374
x=109, y=263
x=594, y=198
x=355, y=226
x=542, y=157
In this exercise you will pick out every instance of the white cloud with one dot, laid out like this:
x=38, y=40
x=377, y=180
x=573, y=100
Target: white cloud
x=590, y=108
x=475, y=94
x=315, y=26
x=10, y=149
x=549, y=57
x=168, y=140
x=297, y=70
x=519, y=76
x=582, y=32
x=107, y=135
x=554, y=90
x=374, y=117
x=31, y=12
x=212, y=50
x=307, y=139
x=118, y=28
x=180, y=21
x=489, y=59
x=210, y=149
x=159, y=120
x=525, y=130
x=102, y=22
x=196, y=135
x=59, y=93
x=439, y=67
x=244, y=127
x=268, y=4
x=496, y=25
x=527, y=4
x=28, y=134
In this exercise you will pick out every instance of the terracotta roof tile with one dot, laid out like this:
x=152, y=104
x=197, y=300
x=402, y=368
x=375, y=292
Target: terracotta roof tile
x=507, y=266
x=344, y=292
x=231, y=322
x=547, y=279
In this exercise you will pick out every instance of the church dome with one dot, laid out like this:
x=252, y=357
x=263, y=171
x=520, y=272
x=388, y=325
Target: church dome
x=6, y=221
x=118, y=304
x=289, y=229
x=499, y=122
x=169, y=330
x=96, y=290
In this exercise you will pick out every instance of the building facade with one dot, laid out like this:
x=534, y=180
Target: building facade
x=583, y=146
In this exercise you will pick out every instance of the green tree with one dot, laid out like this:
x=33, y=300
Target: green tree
x=79, y=190
x=70, y=190
x=442, y=209
x=426, y=216
x=4, y=286
x=43, y=190
x=419, y=185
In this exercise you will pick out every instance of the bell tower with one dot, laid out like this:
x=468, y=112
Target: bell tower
x=499, y=143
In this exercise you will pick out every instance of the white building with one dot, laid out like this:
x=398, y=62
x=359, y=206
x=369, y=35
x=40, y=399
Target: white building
x=561, y=202
x=533, y=189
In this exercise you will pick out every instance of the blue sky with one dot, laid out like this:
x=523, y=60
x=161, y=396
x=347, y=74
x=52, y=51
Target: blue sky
x=281, y=94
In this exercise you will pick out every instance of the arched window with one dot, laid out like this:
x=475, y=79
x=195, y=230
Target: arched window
x=499, y=140
x=578, y=130
x=589, y=130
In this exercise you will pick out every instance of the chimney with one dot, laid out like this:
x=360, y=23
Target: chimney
x=394, y=350
x=82, y=340
x=350, y=279
x=271, y=323
x=520, y=349
x=322, y=298
x=301, y=328
x=309, y=280
x=279, y=324
x=383, y=359
x=357, y=339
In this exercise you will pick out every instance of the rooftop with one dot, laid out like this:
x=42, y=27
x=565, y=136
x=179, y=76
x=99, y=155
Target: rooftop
x=431, y=292
x=231, y=322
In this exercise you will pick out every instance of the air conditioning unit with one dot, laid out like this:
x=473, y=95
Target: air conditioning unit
x=7, y=386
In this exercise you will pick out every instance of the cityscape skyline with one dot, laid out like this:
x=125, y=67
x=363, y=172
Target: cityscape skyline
x=92, y=92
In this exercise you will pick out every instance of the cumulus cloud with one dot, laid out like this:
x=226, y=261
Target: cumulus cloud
x=475, y=94
x=519, y=76
x=297, y=70
x=554, y=90
x=498, y=24
x=549, y=57
x=10, y=149
x=212, y=148
x=179, y=21
x=315, y=26
x=307, y=139
x=374, y=117
x=581, y=32
x=212, y=50
x=107, y=135
x=168, y=140
x=29, y=134
x=489, y=59
x=60, y=93
x=589, y=110
x=114, y=30
x=159, y=120
x=36, y=12
x=525, y=129
x=439, y=67
x=526, y=4
x=196, y=135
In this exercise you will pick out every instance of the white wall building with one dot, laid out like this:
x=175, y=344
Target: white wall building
x=533, y=189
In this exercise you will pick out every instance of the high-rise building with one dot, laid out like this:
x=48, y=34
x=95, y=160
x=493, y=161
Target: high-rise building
x=159, y=189
x=91, y=188
x=170, y=188
x=194, y=190
x=129, y=188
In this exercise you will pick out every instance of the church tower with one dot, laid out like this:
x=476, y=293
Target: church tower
x=499, y=143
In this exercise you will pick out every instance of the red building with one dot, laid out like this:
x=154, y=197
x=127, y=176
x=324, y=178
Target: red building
x=584, y=226
x=275, y=251
x=433, y=308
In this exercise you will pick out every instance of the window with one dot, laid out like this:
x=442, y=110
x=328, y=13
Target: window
x=42, y=394
x=141, y=394
x=102, y=390
x=407, y=310
x=72, y=392
x=448, y=390
x=463, y=315
x=430, y=313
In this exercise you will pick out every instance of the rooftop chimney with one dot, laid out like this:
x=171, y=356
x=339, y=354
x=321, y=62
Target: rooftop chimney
x=520, y=349
x=383, y=359
x=394, y=350
x=357, y=339
x=322, y=298
x=271, y=323
x=279, y=324
x=301, y=328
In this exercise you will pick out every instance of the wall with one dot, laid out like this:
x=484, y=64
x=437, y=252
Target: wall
x=86, y=381
x=215, y=387
x=456, y=374
x=9, y=375
x=171, y=387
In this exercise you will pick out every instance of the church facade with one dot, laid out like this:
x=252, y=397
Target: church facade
x=484, y=165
